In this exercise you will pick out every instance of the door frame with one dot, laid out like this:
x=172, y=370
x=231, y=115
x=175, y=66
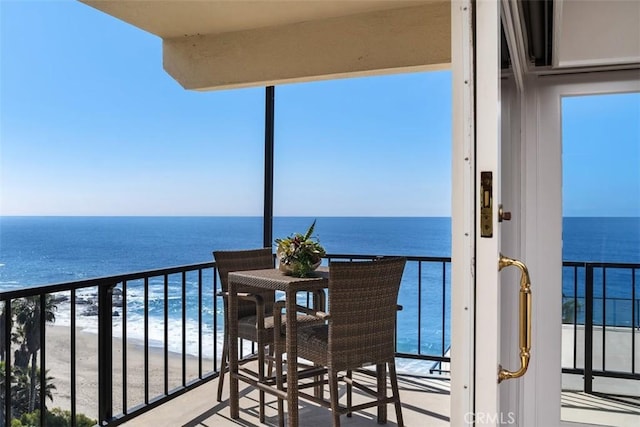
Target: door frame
x=476, y=291
x=462, y=224
x=542, y=238
x=535, y=152
x=487, y=290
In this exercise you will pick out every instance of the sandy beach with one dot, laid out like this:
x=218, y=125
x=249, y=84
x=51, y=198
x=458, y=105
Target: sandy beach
x=58, y=364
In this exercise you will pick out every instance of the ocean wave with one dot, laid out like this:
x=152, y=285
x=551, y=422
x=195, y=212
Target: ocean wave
x=155, y=334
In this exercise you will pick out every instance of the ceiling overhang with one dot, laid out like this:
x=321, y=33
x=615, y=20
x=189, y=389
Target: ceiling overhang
x=227, y=44
x=214, y=44
x=596, y=33
x=571, y=36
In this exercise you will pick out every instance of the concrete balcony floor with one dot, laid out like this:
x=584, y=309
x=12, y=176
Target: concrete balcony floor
x=425, y=402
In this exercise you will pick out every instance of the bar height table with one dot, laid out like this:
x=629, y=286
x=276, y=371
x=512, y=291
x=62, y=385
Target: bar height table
x=272, y=279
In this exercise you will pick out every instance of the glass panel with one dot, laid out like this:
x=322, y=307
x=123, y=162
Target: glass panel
x=601, y=254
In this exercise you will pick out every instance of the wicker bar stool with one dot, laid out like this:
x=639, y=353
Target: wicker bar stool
x=359, y=331
x=255, y=310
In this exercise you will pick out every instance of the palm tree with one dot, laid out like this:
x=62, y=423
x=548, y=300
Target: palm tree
x=3, y=323
x=3, y=347
x=3, y=390
x=570, y=306
x=28, y=318
x=23, y=396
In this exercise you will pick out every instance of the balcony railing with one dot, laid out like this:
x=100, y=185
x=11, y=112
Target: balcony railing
x=101, y=294
x=169, y=304
x=602, y=300
x=182, y=295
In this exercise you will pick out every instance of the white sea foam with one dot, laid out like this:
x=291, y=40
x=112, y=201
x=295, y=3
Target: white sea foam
x=156, y=337
x=135, y=334
x=135, y=330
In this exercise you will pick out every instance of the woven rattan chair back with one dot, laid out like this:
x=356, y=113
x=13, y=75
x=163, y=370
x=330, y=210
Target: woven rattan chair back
x=242, y=260
x=363, y=303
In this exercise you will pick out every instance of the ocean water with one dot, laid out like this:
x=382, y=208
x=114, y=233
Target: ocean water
x=44, y=250
x=599, y=239
x=610, y=240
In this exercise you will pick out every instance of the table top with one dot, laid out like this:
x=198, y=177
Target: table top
x=272, y=278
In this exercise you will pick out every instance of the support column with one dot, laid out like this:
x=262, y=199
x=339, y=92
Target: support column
x=268, y=166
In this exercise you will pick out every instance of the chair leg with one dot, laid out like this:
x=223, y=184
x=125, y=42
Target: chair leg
x=270, y=367
x=333, y=390
x=396, y=393
x=261, y=378
x=279, y=384
x=223, y=365
x=349, y=393
x=381, y=375
x=318, y=390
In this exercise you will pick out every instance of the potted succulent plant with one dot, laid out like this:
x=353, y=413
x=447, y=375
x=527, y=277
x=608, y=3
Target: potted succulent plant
x=300, y=254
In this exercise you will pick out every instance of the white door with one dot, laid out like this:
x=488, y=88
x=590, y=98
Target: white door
x=510, y=133
x=543, y=194
x=486, y=301
x=502, y=285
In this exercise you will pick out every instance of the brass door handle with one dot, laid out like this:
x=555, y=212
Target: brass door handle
x=524, y=321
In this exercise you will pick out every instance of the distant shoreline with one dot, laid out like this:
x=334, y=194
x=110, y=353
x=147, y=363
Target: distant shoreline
x=58, y=365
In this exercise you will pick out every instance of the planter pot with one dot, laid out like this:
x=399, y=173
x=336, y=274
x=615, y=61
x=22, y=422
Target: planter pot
x=296, y=269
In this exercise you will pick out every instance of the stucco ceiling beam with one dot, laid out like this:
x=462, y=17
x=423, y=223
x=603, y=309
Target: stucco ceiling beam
x=398, y=40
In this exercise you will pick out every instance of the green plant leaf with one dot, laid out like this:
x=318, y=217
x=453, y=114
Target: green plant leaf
x=309, y=231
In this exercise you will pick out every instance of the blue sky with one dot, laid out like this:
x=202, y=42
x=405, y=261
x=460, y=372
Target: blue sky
x=601, y=155
x=90, y=124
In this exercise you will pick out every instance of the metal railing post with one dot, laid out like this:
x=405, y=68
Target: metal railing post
x=43, y=351
x=105, y=354
x=633, y=321
x=588, y=330
x=8, y=316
